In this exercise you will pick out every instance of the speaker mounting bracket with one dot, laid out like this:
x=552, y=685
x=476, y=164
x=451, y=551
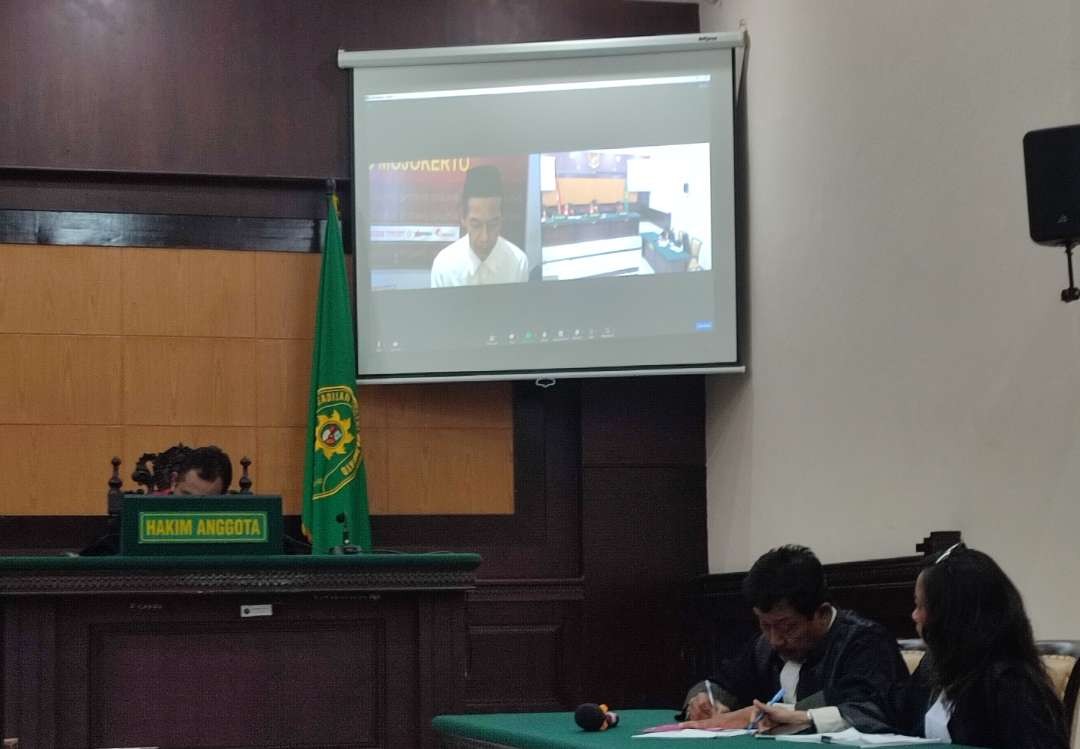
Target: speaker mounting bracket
x=1071, y=293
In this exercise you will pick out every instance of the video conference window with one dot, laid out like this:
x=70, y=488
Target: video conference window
x=489, y=220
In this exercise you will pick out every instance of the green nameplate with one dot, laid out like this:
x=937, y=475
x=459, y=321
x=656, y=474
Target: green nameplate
x=202, y=527
x=226, y=524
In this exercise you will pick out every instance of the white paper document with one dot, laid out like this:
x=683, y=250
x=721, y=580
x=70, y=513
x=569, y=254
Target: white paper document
x=852, y=737
x=694, y=733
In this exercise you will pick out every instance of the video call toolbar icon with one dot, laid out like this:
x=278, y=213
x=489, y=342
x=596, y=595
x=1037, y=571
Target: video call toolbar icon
x=543, y=336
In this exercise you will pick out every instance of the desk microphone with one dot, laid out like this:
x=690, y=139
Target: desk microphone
x=346, y=546
x=593, y=717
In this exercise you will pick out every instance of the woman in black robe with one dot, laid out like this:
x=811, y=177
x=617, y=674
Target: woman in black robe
x=982, y=682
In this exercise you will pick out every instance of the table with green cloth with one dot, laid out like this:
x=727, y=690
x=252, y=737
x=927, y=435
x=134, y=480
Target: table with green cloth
x=559, y=731
x=664, y=259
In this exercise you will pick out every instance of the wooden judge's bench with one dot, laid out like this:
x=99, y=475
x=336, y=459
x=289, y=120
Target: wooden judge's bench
x=282, y=651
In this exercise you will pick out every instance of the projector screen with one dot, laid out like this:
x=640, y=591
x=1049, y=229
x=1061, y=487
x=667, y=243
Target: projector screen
x=545, y=210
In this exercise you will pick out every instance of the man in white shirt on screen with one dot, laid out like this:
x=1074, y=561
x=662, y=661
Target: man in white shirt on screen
x=481, y=256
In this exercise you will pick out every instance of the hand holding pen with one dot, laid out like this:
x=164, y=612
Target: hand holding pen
x=703, y=705
x=760, y=714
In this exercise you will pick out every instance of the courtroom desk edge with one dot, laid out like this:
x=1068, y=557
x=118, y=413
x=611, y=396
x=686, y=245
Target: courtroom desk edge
x=67, y=575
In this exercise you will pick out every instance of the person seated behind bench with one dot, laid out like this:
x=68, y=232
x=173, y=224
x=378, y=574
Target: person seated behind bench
x=834, y=666
x=201, y=471
x=197, y=472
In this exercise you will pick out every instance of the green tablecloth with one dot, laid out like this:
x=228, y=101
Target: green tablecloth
x=672, y=252
x=558, y=731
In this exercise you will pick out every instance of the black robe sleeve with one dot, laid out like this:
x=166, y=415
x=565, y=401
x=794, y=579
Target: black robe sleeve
x=864, y=672
x=908, y=700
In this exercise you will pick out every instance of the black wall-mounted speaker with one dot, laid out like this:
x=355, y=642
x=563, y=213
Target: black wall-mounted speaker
x=1052, y=168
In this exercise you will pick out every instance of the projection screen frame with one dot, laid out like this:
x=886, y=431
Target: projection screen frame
x=350, y=60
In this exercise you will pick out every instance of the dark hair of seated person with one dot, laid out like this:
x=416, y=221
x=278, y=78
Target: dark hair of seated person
x=791, y=574
x=982, y=655
x=165, y=463
x=482, y=181
x=210, y=463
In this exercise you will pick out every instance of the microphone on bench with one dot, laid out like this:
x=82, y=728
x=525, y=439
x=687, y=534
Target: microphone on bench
x=346, y=546
x=593, y=717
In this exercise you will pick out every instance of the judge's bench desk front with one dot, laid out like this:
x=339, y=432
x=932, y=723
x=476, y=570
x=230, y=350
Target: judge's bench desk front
x=282, y=651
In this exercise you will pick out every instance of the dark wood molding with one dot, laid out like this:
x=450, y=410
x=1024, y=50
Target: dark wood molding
x=70, y=190
x=160, y=230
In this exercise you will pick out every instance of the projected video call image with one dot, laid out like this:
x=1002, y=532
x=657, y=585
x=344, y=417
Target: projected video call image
x=629, y=211
x=457, y=221
x=482, y=220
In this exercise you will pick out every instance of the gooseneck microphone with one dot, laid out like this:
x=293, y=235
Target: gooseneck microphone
x=346, y=546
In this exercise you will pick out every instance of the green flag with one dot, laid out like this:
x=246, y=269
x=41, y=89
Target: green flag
x=335, y=480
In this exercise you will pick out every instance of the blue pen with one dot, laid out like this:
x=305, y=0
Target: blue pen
x=757, y=718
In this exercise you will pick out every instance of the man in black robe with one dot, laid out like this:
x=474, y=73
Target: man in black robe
x=835, y=667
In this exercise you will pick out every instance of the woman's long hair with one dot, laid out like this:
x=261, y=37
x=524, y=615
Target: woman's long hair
x=975, y=621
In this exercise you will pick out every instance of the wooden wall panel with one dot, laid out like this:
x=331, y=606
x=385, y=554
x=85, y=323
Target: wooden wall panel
x=479, y=405
x=451, y=471
x=60, y=379
x=200, y=381
x=526, y=668
x=525, y=645
x=375, y=403
x=377, y=462
x=214, y=347
x=54, y=468
x=581, y=190
x=47, y=289
x=613, y=434
x=288, y=283
x=189, y=293
x=280, y=468
x=174, y=86
x=282, y=382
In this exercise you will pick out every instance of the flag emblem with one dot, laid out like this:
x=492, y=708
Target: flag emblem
x=335, y=438
x=333, y=434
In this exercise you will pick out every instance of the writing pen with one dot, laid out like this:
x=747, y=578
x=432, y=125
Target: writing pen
x=757, y=718
x=708, y=691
